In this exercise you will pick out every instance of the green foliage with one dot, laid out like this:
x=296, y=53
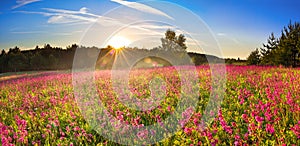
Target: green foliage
x=37, y=61
x=284, y=50
x=233, y=61
x=254, y=58
x=289, y=45
x=181, y=41
x=2, y=53
x=171, y=42
x=46, y=58
x=268, y=51
x=16, y=61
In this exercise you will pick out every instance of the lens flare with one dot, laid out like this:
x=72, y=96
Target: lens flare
x=118, y=42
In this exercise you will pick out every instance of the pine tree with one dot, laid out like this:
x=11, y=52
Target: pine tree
x=253, y=58
x=268, y=51
x=284, y=50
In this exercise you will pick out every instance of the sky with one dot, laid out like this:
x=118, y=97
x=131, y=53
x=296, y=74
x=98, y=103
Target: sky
x=237, y=27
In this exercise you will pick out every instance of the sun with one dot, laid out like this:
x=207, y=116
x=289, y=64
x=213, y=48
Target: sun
x=118, y=42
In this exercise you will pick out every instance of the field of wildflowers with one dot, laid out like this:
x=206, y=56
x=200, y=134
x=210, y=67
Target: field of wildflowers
x=261, y=106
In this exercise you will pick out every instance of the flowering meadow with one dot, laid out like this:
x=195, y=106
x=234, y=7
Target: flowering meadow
x=261, y=106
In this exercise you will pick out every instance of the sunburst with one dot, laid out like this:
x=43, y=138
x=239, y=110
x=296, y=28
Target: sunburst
x=118, y=42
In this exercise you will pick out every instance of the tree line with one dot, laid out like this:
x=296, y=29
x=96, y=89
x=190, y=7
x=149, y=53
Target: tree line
x=55, y=58
x=284, y=50
x=45, y=58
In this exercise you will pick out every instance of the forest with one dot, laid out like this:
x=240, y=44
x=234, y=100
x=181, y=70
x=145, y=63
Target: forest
x=55, y=58
x=281, y=51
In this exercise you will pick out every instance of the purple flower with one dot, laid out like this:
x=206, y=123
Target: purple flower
x=142, y=134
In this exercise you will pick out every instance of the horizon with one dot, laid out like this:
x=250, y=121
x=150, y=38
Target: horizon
x=122, y=48
x=245, y=25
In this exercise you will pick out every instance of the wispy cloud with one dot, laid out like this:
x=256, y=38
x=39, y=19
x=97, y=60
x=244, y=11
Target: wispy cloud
x=83, y=11
x=83, y=16
x=221, y=34
x=21, y=3
x=156, y=26
x=142, y=7
x=66, y=33
x=228, y=37
x=62, y=16
x=46, y=32
x=31, y=12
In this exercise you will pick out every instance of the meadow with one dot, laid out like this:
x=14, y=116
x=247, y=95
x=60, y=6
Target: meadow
x=261, y=106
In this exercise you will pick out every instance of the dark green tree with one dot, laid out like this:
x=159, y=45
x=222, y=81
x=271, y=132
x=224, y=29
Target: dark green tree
x=289, y=45
x=37, y=61
x=37, y=48
x=2, y=53
x=170, y=35
x=254, y=58
x=17, y=62
x=171, y=42
x=284, y=50
x=15, y=50
x=181, y=41
x=268, y=51
x=73, y=47
x=3, y=61
x=53, y=62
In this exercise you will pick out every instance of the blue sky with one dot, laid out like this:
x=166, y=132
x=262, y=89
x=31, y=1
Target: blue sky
x=238, y=26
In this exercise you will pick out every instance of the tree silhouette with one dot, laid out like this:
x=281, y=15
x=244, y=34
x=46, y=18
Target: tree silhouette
x=289, y=45
x=254, y=58
x=284, y=50
x=171, y=42
x=268, y=51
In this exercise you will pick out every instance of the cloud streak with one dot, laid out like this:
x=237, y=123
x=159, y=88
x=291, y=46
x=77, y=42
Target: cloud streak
x=61, y=16
x=221, y=34
x=21, y=3
x=225, y=36
x=66, y=33
x=83, y=16
x=142, y=7
x=82, y=11
x=46, y=32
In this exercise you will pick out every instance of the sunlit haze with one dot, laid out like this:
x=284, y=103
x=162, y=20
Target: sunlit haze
x=118, y=41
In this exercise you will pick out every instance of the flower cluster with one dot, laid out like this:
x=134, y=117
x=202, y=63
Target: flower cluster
x=261, y=106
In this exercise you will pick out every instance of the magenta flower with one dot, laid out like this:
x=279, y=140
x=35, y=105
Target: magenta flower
x=195, y=121
x=296, y=130
x=187, y=131
x=270, y=128
x=259, y=119
x=245, y=117
x=169, y=108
